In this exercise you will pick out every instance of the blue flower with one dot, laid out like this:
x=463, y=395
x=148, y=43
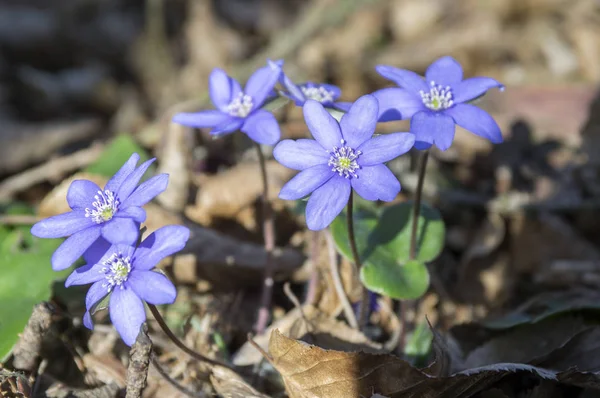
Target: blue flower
x=113, y=213
x=126, y=274
x=343, y=157
x=326, y=94
x=237, y=109
x=435, y=104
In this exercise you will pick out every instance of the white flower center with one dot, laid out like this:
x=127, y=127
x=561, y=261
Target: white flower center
x=438, y=97
x=320, y=94
x=343, y=160
x=104, y=207
x=116, y=270
x=241, y=106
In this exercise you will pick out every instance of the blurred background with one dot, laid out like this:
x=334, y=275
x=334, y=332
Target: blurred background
x=73, y=71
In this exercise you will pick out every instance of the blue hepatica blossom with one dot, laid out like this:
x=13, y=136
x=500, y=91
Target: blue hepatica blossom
x=113, y=213
x=437, y=103
x=237, y=109
x=125, y=272
x=345, y=156
x=326, y=94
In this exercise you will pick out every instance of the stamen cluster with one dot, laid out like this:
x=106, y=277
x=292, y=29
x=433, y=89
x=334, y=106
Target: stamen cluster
x=105, y=206
x=343, y=160
x=241, y=106
x=438, y=97
x=116, y=270
x=320, y=94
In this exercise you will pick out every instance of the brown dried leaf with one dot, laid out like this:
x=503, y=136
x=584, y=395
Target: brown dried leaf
x=312, y=372
x=315, y=327
x=228, y=194
x=174, y=159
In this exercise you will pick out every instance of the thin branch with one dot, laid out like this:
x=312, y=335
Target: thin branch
x=174, y=382
x=54, y=168
x=179, y=343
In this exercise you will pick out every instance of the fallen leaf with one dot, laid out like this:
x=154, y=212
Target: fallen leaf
x=226, y=195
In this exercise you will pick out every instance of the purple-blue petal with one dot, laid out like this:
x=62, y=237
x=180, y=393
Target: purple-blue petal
x=229, y=125
x=74, y=247
x=127, y=313
x=358, y=125
x=96, y=251
x=202, y=119
x=323, y=127
x=87, y=320
x=152, y=287
x=292, y=90
x=262, y=127
x=86, y=274
x=128, y=186
x=343, y=106
x=376, y=183
x=433, y=128
x=474, y=87
x=261, y=83
x=404, y=78
x=62, y=225
x=222, y=89
x=81, y=194
x=161, y=243
x=422, y=145
x=120, y=231
x=300, y=154
x=445, y=71
x=397, y=104
x=136, y=213
x=326, y=202
x=115, y=182
x=477, y=121
x=147, y=191
x=306, y=182
x=96, y=293
x=384, y=148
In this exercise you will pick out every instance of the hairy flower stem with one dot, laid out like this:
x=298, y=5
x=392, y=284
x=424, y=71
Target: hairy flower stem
x=313, y=283
x=269, y=238
x=337, y=281
x=163, y=325
x=417, y=205
x=364, y=305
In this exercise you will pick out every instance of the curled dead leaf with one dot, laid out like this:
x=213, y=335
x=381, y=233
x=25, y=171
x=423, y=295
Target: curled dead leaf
x=231, y=194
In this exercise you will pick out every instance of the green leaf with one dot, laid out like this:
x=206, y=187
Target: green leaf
x=26, y=280
x=419, y=342
x=383, y=242
x=116, y=154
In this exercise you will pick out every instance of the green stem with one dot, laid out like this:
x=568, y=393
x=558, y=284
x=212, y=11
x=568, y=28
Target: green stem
x=417, y=205
x=364, y=306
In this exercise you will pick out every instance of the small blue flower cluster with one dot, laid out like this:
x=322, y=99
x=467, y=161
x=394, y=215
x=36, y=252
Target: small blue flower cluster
x=345, y=155
x=103, y=227
x=104, y=224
